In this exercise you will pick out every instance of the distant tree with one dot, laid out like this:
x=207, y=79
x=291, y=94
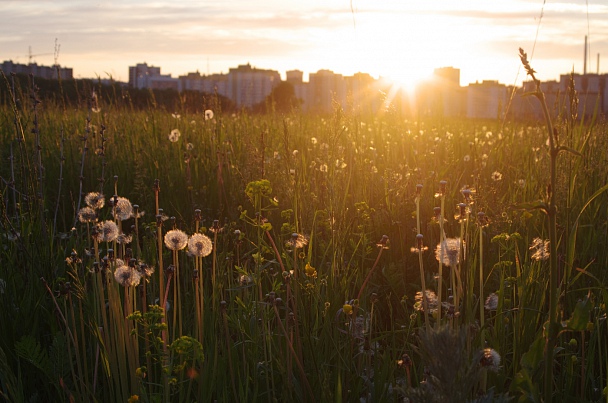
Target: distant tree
x=281, y=99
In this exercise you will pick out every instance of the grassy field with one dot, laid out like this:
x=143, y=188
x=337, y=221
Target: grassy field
x=162, y=255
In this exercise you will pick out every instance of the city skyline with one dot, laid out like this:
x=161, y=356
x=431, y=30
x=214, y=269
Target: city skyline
x=402, y=41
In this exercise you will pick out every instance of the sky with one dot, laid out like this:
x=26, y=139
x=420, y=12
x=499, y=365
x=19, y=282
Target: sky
x=403, y=40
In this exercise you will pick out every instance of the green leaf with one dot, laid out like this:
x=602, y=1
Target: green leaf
x=570, y=150
x=535, y=205
x=580, y=317
x=533, y=357
x=29, y=349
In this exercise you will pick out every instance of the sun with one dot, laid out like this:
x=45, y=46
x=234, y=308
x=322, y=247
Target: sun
x=408, y=80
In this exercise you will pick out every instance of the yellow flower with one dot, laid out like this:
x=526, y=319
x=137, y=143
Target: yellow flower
x=347, y=309
x=133, y=398
x=310, y=271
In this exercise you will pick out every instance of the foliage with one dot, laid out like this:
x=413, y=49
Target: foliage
x=311, y=291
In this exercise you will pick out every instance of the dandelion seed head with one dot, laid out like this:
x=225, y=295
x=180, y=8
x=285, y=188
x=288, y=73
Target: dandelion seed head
x=123, y=208
x=200, y=245
x=298, y=241
x=540, y=249
x=208, y=114
x=107, y=231
x=87, y=214
x=431, y=301
x=95, y=200
x=174, y=135
x=125, y=275
x=245, y=280
x=491, y=302
x=496, y=176
x=144, y=269
x=490, y=359
x=448, y=252
x=176, y=239
x=124, y=239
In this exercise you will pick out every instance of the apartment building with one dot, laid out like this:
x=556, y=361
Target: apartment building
x=46, y=72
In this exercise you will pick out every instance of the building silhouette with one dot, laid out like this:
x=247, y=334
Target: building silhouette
x=47, y=72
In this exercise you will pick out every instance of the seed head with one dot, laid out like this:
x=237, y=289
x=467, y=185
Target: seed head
x=125, y=275
x=87, y=214
x=174, y=135
x=122, y=207
x=176, y=239
x=107, y=231
x=490, y=359
x=448, y=252
x=95, y=200
x=200, y=245
x=540, y=248
x=491, y=302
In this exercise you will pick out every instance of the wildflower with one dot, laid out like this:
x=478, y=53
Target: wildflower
x=95, y=109
x=521, y=183
x=87, y=214
x=295, y=153
x=347, y=309
x=310, y=271
x=431, y=301
x=122, y=207
x=491, y=302
x=323, y=168
x=496, y=176
x=200, y=245
x=189, y=146
x=95, y=200
x=419, y=246
x=467, y=158
x=448, y=252
x=107, y=231
x=125, y=275
x=490, y=359
x=175, y=115
x=313, y=140
x=540, y=248
x=174, y=135
x=176, y=239
x=374, y=169
x=208, y=114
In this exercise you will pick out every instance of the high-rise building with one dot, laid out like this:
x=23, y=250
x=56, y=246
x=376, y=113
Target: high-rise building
x=326, y=87
x=144, y=76
x=248, y=86
x=486, y=100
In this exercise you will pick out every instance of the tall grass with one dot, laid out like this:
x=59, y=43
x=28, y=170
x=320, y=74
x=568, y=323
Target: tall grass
x=310, y=291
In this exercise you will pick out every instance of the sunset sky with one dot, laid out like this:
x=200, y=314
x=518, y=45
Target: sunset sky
x=400, y=39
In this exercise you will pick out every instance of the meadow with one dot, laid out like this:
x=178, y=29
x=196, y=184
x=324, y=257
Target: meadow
x=161, y=255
